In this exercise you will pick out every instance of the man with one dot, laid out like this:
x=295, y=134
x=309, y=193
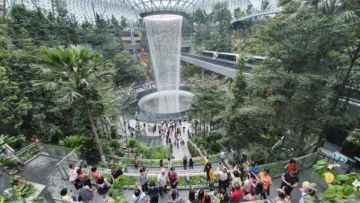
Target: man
x=161, y=181
x=289, y=180
x=266, y=181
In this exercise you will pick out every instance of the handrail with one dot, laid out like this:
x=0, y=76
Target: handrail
x=266, y=12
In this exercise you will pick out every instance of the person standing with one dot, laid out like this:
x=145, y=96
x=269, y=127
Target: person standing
x=85, y=194
x=185, y=162
x=95, y=174
x=222, y=156
x=266, y=181
x=173, y=179
x=153, y=193
x=73, y=176
x=237, y=193
x=161, y=163
x=161, y=181
x=223, y=178
x=289, y=181
x=143, y=179
x=191, y=163
x=102, y=186
x=66, y=196
x=138, y=196
x=83, y=178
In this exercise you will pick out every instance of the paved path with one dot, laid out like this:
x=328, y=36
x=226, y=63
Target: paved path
x=178, y=152
x=306, y=175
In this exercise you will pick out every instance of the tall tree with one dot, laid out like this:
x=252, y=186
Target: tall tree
x=73, y=73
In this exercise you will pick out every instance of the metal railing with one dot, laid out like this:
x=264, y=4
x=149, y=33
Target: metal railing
x=35, y=149
x=63, y=164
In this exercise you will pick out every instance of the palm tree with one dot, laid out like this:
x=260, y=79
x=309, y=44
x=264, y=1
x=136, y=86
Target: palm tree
x=339, y=10
x=71, y=73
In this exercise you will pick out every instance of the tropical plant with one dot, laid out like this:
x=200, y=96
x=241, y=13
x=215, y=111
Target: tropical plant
x=132, y=143
x=73, y=74
x=340, y=187
x=72, y=141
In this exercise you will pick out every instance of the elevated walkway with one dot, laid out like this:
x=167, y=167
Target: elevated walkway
x=222, y=67
x=256, y=15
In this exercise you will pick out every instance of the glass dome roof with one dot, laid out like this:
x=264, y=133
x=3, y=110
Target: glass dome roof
x=85, y=10
x=144, y=7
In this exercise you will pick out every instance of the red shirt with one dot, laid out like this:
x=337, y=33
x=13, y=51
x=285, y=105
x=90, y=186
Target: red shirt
x=292, y=167
x=236, y=195
x=96, y=175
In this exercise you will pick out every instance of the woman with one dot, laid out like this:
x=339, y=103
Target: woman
x=235, y=178
x=95, y=174
x=83, y=178
x=143, y=179
x=102, y=186
x=172, y=178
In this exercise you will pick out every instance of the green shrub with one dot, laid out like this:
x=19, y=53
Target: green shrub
x=257, y=153
x=192, y=150
x=208, y=142
x=132, y=143
x=72, y=141
x=88, y=150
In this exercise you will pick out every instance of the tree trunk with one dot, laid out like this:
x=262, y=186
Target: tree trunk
x=94, y=131
x=339, y=93
x=301, y=142
x=125, y=127
x=101, y=129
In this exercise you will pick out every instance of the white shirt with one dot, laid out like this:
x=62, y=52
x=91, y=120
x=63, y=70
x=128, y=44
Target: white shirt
x=139, y=199
x=161, y=179
x=72, y=174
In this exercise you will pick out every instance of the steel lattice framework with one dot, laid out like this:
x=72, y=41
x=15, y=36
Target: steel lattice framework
x=145, y=7
x=85, y=10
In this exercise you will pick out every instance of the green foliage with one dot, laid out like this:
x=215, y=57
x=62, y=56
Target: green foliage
x=342, y=188
x=86, y=146
x=212, y=31
x=88, y=149
x=258, y=153
x=13, y=107
x=23, y=190
x=153, y=152
x=192, y=150
x=127, y=71
x=210, y=143
x=72, y=141
x=207, y=106
x=132, y=143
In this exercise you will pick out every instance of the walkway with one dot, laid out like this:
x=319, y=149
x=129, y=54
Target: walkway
x=178, y=152
x=306, y=175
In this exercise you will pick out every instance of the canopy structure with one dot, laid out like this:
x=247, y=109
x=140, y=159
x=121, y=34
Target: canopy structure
x=86, y=10
x=150, y=7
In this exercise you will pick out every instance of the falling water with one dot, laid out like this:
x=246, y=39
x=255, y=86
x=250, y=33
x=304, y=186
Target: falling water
x=164, y=36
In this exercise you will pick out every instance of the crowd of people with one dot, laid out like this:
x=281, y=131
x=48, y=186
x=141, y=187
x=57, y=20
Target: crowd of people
x=85, y=188
x=226, y=182
x=235, y=184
